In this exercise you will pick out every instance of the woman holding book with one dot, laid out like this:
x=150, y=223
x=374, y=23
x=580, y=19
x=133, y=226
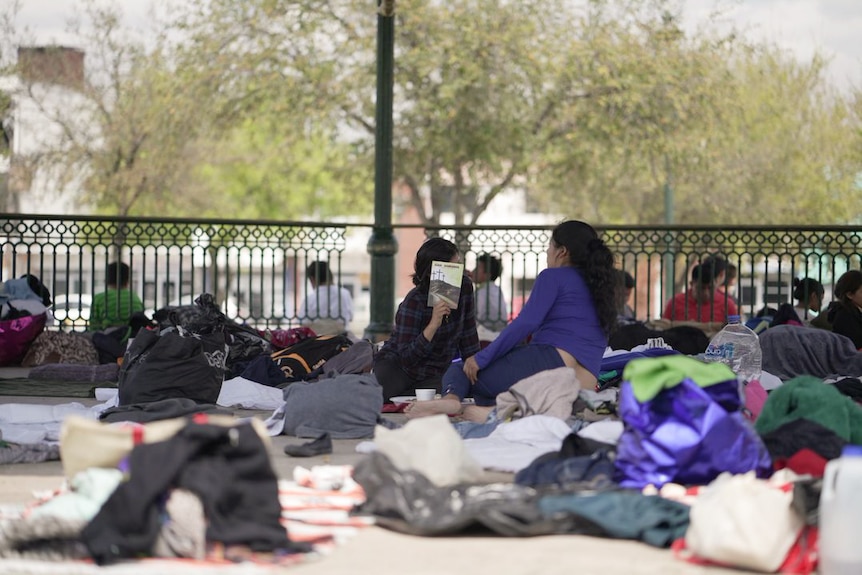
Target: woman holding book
x=426, y=338
x=571, y=310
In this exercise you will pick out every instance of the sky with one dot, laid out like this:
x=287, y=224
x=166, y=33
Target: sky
x=800, y=26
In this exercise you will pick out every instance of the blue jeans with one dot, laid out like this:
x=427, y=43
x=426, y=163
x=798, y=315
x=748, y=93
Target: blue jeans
x=502, y=373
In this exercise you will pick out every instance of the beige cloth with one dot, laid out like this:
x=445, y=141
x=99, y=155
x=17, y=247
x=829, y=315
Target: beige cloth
x=550, y=392
x=744, y=521
x=184, y=533
x=326, y=326
x=430, y=446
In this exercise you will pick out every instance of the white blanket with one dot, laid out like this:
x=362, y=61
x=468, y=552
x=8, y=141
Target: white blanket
x=513, y=446
x=38, y=423
x=248, y=394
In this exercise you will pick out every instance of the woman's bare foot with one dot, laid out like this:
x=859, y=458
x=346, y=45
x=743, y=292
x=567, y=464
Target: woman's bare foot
x=476, y=413
x=449, y=405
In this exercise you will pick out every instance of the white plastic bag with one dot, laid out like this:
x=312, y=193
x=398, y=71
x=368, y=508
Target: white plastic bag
x=745, y=522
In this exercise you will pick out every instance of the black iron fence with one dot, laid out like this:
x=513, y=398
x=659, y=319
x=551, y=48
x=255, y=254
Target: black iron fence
x=257, y=270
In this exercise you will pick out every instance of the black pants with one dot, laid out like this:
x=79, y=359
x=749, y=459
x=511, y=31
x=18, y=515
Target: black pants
x=395, y=381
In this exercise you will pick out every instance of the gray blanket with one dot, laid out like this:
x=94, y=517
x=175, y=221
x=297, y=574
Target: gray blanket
x=790, y=351
x=345, y=406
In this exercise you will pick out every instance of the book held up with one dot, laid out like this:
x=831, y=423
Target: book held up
x=445, y=283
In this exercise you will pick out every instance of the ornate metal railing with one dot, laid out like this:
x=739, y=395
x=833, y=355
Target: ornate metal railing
x=257, y=269
x=660, y=259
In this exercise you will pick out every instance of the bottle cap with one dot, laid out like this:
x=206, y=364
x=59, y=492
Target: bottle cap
x=733, y=319
x=851, y=451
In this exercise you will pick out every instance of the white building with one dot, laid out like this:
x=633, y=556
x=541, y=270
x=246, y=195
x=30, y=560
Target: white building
x=45, y=101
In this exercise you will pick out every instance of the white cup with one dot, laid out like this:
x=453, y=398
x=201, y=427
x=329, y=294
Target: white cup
x=425, y=394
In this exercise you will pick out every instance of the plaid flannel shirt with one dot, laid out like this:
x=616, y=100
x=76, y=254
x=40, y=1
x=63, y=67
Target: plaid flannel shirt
x=422, y=359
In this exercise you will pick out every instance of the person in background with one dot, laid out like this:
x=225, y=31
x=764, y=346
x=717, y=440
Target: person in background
x=425, y=339
x=846, y=315
x=808, y=293
x=571, y=311
x=727, y=286
x=115, y=306
x=626, y=289
x=491, y=308
x=327, y=309
x=701, y=302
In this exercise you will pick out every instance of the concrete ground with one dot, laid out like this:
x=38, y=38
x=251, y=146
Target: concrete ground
x=380, y=552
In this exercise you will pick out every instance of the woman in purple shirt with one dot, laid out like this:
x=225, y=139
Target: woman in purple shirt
x=571, y=310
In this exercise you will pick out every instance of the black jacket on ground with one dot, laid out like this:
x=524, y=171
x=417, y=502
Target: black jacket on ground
x=228, y=468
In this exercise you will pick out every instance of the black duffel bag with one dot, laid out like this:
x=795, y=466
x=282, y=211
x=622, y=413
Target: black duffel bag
x=173, y=363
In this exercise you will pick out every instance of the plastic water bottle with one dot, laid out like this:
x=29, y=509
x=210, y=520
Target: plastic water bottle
x=841, y=514
x=739, y=348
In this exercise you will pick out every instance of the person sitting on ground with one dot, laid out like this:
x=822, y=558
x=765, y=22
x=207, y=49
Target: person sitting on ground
x=700, y=302
x=114, y=306
x=626, y=288
x=808, y=293
x=425, y=339
x=328, y=308
x=571, y=311
x=846, y=316
x=491, y=308
x=726, y=286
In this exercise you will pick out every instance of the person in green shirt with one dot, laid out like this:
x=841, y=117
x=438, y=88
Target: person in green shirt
x=114, y=306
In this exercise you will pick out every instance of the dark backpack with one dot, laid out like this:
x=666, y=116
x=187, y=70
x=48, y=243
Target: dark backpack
x=685, y=339
x=301, y=359
x=173, y=363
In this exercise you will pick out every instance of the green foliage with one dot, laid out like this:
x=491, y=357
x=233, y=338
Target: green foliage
x=265, y=109
x=259, y=172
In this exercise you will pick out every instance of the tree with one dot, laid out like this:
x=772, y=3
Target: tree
x=267, y=106
x=472, y=88
x=739, y=131
x=260, y=169
x=122, y=133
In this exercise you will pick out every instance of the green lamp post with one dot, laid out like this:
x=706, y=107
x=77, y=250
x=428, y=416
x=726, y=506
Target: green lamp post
x=382, y=246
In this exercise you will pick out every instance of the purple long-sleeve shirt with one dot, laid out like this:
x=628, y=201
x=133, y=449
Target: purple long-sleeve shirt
x=561, y=313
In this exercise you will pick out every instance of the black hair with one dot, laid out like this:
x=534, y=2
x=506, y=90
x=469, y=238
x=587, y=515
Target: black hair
x=117, y=274
x=703, y=279
x=714, y=265
x=732, y=272
x=588, y=253
x=319, y=272
x=433, y=249
x=849, y=282
x=493, y=266
x=626, y=282
x=803, y=288
x=766, y=311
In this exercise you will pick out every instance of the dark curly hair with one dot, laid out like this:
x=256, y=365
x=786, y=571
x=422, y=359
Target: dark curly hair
x=588, y=253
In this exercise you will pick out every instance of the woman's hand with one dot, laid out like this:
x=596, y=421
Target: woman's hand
x=471, y=369
x=439, y=312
